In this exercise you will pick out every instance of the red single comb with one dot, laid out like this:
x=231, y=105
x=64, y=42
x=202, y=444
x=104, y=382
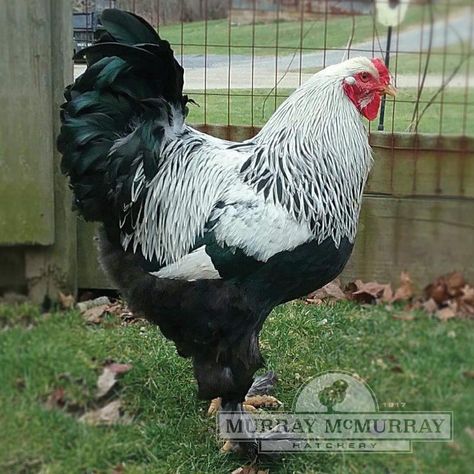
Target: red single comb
x=383, y=71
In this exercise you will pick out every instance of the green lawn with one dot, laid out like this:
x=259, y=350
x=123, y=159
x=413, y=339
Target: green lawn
x=277, y=37
x=420, y=363
x=238, y=108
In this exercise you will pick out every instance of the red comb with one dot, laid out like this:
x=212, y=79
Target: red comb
x=384, y=73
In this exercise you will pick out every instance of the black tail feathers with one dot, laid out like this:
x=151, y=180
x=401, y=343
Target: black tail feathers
x=127, y=66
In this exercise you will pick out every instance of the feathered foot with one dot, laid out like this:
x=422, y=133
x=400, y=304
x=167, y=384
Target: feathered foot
x=246, y=445
x=257, y=396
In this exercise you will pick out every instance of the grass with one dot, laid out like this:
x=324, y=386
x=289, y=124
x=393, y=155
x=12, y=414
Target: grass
x=238, y=108
x=419, y=362
x=276, y=37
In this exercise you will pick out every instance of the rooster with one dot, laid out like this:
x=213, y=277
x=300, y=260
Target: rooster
x=205, y=236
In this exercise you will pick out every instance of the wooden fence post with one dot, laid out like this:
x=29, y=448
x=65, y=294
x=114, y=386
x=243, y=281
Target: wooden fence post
x=53, y=268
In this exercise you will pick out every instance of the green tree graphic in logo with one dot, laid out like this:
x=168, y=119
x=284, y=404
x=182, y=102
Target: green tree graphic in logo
x=333, y=394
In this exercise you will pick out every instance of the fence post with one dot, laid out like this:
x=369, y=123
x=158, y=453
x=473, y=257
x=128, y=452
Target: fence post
x=53, y=268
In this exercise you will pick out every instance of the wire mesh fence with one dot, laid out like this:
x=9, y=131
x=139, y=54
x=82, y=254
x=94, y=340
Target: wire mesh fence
x=242, y=58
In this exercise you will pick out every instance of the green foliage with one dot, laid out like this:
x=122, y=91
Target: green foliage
x=419, y=362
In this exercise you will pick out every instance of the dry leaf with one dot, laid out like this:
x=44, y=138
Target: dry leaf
x=118, y=469
x=250, y=470
x=85, y=305
x=108, y=377
x=468, y=294
x=387, y=295
x=454, y=446
x=430, y=306
x=66, y=301
x=94, y=315
x=331, y=291
x=455, y=282
x=110, y=414
x=437, y=291
x=406, y=290
x=469, y=431
x=56, y=399
x=404, y=316
x=370, y=291
x=445, y=313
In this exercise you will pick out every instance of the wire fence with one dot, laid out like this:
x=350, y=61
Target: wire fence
x=242, y=58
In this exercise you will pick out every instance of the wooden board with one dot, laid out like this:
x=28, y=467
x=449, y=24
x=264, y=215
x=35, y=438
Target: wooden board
x=51, y=269
x=89, y=272
x=405, y=164
x=26, y=126
x=422, y=165
x=426, y=237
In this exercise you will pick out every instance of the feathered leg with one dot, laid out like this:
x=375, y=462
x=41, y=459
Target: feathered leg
x=234, y=415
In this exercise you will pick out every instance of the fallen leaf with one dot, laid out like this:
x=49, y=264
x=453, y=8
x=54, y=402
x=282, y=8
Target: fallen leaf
x=370, y=291
x=437, y=291
x=330, y=291
x=430, y=306
x=469, y=431
x=85, y=305
x=403, y=316
x=469, y=374
x=118, y=469
x=66, y=301
x=56, y=399
x=94, y=315
x=468, y=294
x=445, y=313
x=406, y=289
x=250, y=470
x=108, y=377
x=110, y=414
x=454, y=446
x=455, y=282
x=466, y=309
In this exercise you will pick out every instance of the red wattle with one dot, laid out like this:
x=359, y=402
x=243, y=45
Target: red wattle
x=371, y=111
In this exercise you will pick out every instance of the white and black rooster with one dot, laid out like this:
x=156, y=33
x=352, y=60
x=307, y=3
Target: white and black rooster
x=204, y=236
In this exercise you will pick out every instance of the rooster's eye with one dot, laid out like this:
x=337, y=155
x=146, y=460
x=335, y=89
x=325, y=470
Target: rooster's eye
x=365, y=76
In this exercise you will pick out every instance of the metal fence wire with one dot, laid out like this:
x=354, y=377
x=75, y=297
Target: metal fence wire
x=242, y=58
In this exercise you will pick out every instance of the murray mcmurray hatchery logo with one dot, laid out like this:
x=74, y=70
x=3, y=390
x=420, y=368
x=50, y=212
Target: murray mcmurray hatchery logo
x=336, y=411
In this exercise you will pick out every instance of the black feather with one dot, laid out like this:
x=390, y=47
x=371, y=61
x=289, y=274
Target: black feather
x=127, y=28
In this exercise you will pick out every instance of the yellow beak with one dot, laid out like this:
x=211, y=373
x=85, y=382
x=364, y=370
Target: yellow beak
x=389, y=90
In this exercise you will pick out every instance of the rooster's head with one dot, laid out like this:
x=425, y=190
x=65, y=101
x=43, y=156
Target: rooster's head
x=364, y=82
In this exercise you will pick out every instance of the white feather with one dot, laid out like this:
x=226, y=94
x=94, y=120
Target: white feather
x=197, y=265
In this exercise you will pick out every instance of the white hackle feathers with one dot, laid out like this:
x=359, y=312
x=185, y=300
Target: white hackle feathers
x=314, y=156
